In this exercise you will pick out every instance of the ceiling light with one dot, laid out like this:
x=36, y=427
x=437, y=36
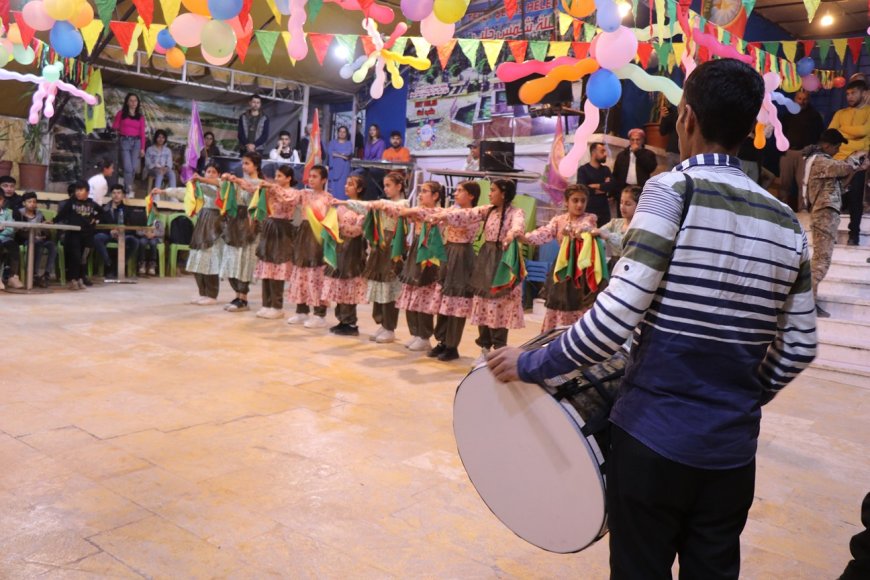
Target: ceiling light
x=624, y=9
x=826, y=20
x=341, y=52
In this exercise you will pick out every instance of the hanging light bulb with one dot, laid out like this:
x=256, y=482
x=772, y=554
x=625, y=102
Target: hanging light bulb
x=624, y=9
x=827, y=20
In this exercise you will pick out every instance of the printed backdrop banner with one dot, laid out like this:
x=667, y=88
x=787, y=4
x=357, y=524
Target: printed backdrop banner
x=487, y=20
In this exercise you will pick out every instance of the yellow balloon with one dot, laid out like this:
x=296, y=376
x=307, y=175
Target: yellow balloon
x=84, y=15
x=450, y=11
x=60, y=9
x=175, y=58
x=197, y=6
x=14, y=34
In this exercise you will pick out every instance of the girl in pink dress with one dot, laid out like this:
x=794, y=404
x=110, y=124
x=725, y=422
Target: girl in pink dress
x=344, y=284
x=454, y=284
x=493, y=312
x=306, y=281
x=566, y=303
x=275, y=249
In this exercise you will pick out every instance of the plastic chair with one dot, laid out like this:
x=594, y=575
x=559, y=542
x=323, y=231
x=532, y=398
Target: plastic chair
x=132, y=262
x=60, y=262
x=538, y=270
x=174, y=249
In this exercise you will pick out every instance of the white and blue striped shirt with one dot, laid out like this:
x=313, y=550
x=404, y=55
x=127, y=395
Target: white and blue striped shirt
x=721, y=310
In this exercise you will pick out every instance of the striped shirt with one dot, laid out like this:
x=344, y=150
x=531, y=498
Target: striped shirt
x=721, y=310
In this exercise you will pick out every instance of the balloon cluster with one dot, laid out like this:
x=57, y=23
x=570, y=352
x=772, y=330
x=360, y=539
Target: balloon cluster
x=213, y=25
x=437, y=18
x=64, y=19
x=809, y=81
x=47, y=86
x=767, y=115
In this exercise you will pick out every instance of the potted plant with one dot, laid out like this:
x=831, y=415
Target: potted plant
x=33, y=168
x=654, y=136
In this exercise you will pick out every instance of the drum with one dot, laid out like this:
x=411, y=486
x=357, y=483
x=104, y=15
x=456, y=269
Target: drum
x=536, y=453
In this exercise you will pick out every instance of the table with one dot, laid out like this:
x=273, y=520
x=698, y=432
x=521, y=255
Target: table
x=31, y=245
x=122, y=249
x=450, y=174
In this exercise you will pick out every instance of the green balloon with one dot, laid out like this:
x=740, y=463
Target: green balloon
x=23, y=54
x=218, y=38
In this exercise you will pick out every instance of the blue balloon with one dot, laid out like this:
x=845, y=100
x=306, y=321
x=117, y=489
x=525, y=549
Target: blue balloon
x=65, y=39
x=603, y=89
x=164, y=39
x=607, y=15
x=805, y=66
x=224, y=9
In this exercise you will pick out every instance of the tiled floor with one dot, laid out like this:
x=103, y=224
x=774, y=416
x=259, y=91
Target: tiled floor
x=140, y=436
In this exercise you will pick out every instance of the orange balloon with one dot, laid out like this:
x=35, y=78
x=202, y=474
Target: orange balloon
x=175, y=58
x=533, y=92
x=14, y=34
x=84, y=16
x=578, y=8
x=760, y=140
x=197, y=6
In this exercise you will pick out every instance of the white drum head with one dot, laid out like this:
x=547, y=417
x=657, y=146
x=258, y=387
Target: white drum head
x=529, y=462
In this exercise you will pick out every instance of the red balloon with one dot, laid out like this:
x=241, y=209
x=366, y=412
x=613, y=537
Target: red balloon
x=839, y=82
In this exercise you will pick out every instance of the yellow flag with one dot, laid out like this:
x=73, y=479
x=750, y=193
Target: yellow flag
x=170, y=9
x=789, y=49
x=559, y=48
x=130, y=57
x=840, y=47
x=91, y=33
x=565, y=22
x=274, y=9
x=149, y=36
x=95, y=117
x=492, y=48
x=679, y=49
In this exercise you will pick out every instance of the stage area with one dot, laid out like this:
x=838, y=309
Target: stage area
x=143, y=437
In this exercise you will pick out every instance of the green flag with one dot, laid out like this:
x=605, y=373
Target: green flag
x=259, y=206
x=430, y=247
x=511, y=270
x=397, y=249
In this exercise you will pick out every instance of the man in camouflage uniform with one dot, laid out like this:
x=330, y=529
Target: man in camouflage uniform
x=823, y=196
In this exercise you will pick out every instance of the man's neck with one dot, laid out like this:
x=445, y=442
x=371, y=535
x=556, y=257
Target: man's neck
x=595, y=163
x=30, y=213
x=397, y=147
x=253, y=113
x=116, y=205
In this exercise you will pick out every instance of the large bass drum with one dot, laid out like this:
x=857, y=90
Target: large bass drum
x=536, y=453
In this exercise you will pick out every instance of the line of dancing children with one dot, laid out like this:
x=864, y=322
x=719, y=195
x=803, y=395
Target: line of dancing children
x=370, y=264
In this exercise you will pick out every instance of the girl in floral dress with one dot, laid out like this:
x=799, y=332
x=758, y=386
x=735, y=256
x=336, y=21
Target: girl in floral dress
x=494, y=313
x=344, y=284
x=207, y=244
x=566, y=303
x=275, y=249
x=240, y=233
x=613, y=232
x=454, y=285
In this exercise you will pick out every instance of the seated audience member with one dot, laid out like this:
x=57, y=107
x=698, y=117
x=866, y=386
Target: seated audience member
x=43, y=242
x=283, y=151
x=9, y=247
x=396, y=152
x=209, y=150
x=158, y=160
x=13, y=200
x=113, y=213
x=99, y=182
x=635, y=165
x=149, y=240
x=80, y=211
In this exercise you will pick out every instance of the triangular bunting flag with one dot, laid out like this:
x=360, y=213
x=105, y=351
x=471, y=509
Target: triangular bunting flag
x=146, y=11
x=789, y=49
x=772, y=47
x=679, y=49
x=644, y=50
x=588, y=32
x=170, y=9
x=313, y=9
x=855, y=48
x=748, y=5
x=398, y=46
x=559, y=48
x=663, y=51
x=368, y=44
x=580, y=49
x=245, y=14
x=510, y=8
x=811, y=6
x=672, y=16
x=267, y=39
x=421, y=45
x=105, y=9
x=578, y=29
x=492, y=49
x=867, y=43
x=348, y=42
x=4, y=14
x=320, y=43
x=285, y=36
x=539, y=48
x=123, y=31
x=130, y=55
x=444, y=52
x=149, y=36
x=518, y=49
x=469, y=47
x=808, y=46
x=824, y=48
x=242, y=45
x=840, y=48
x=25, y=30
x=565, y=22
x=275, y=12
x=91, y=34
x=661, y=12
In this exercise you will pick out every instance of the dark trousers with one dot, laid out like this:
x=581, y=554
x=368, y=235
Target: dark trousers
x=273, y=294
x=208, y=284
x=599, y=205
x=346, y=314
x=305, y=309
x=448, y=330
x=658, y=509
x=74, y=244
x=855, y=202
x=420, y=324
x=491, y=338
x=131, y=246
x=9, y=253
x=387, y=315
x=148, y=250
x=859, y=567
x=240, y=287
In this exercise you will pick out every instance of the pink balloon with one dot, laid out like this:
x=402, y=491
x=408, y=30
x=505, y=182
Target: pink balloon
x=811, y=83
x=36, y=17
x=242, y=32
x=436, y=32
x=297, y=47
x=593, y=46
x=417, y=10
x=159, y=49
x=217, y=61
x=571, y=162
x=187, y=29
x=616, y=49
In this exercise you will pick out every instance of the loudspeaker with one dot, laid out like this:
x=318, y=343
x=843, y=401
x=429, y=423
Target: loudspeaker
x=95, y=151
x=497, y=156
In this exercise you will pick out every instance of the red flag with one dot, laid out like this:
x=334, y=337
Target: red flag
x=146, y=11
x=26, y=32
x=644, y=50
x=445, y=51
x=808, y=46
x=510, y=8
x=518, y=49
x=581, y=49
x=245, y=14
x=123, y=32
x=320, y=43
x=368, y=44
x=315, y=156
x=855, y=47
x=242, y=45
x=4, y=13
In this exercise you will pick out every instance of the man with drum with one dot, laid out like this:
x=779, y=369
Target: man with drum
x=715, y=287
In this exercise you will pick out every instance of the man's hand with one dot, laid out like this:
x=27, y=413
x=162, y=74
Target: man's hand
x=251, y=147
x=503, y=363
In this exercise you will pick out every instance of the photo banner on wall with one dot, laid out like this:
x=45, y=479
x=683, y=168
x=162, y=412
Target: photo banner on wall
x=488, y=20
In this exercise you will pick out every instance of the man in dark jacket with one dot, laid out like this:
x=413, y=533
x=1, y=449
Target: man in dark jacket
x=633, y=166
x=253, y=127
x=801, y=130
x=668, y=128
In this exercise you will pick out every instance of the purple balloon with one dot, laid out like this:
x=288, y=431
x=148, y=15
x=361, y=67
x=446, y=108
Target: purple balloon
x=417, y=9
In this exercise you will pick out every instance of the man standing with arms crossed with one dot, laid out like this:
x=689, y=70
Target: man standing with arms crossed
x=718, y=296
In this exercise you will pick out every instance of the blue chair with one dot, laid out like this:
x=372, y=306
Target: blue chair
x=537, y=270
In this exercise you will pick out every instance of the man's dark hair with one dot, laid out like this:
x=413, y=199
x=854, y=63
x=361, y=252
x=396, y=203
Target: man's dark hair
x=28, y=195
x=283, y=134
x=252, y=97
x=592, y=146
x=395, y=134
x=7, y=179
x=726, y=96
x=857, y=84
x=77, y=185
x=117, y=186
x=832, y=137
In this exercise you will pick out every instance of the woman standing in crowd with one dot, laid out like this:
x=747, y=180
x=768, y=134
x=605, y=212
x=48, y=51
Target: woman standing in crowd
x=339, y=154
x=375, y=146
x=130, y=125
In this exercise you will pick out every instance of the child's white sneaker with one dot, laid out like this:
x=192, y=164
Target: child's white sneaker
x=315, y=322
x=421, y=344
x=261, y=313
x=385, y=337
x=206, y=301
x=14, y=282
x=297, y=319
x=374, y=336
x=273, y=314
x=411, y=341
x=481, y=359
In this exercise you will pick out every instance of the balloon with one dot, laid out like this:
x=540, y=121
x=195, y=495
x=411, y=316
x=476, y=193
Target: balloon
x=197, y=7
x=242, y=31
x=616, y=49
x=791, y=86
x=187, y=29
x=805, y=66
x=66, y=40
x=23, y=54
x=771, y=81
x=512, y=71
x=593, y=47
x=579, y=8
x=347, y=70
x=14, y=34
x=535, y=90
x=216, y=60
x=84, y=15
x=4, y=55
x=603, y=89
x=283, y=7
x=760, y=139
x=450, y=11
x=839, y=82
x=607, y=17
x=297, y=47
x=60, y=9
x=810, y=83
x=218, y=39
x=435, y=32
x=651, y=84
x=790, y=105
x=571, y=162
x=377, y=12
x=224, y=9
x=36, y=17
x=164, y=39
x=716, y=48
x=159, y=49
x=175, y=58
x=417, y=10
